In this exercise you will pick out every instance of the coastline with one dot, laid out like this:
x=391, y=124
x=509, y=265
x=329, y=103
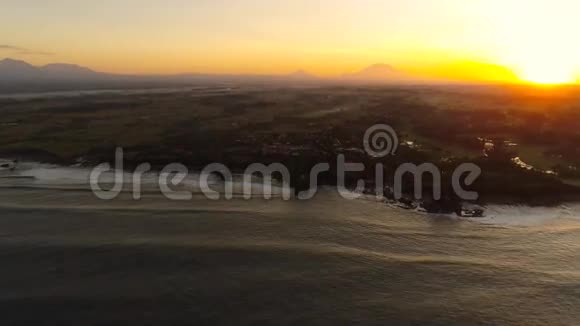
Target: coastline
x=540, y=198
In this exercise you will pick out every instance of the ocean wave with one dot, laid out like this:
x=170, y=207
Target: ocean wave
x=529, y=216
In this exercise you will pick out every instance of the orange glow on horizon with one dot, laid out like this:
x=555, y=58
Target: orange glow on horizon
x=504, y=41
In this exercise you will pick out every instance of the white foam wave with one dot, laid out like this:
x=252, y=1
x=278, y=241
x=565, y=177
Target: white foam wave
x=37, y=175
x=529, y=216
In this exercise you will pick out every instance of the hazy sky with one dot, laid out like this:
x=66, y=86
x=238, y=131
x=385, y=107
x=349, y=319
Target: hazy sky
x=327, y=37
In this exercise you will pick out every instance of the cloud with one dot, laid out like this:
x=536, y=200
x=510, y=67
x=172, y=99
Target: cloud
x=22, y=51
x=10, y=47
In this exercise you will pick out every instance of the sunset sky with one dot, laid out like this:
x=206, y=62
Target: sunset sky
x=446, y=39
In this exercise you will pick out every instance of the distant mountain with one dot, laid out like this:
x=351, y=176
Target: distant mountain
x=16, y=70
x=64, y=70
x=20, y=76
x=301, y=75
x=378, y=73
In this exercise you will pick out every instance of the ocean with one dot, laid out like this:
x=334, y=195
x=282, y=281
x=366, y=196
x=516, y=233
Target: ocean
x=69, y=258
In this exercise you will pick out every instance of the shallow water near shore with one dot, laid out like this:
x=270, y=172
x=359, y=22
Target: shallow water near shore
x=74, y=259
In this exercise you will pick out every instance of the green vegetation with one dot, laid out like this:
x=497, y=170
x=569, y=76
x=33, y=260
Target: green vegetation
x=302, y=126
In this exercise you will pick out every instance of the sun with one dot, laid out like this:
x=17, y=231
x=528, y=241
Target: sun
x=535, y=39
x=545, y=61
x=547, y=74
